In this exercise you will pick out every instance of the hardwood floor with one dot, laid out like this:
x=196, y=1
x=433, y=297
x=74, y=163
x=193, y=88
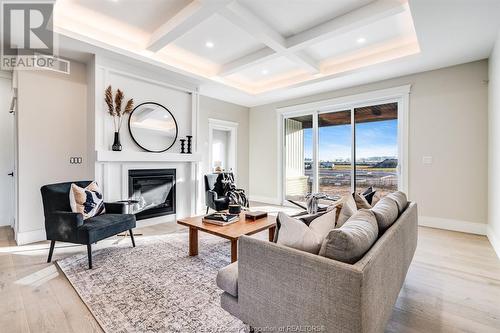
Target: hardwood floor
x=453, y=285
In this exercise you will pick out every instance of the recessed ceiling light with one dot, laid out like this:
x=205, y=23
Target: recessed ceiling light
x=361, y=40
x=264, y=72
x=209, y=44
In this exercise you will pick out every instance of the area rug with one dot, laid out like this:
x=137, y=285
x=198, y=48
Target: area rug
x=156, y=286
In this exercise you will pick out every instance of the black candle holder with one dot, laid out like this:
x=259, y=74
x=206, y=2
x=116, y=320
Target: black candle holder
x=182, y=145
x=189, y=138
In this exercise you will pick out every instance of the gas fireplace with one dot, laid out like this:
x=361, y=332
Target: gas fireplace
x=154, y=191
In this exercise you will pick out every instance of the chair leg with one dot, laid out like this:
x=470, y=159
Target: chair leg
x=132, y=237
x=89, y=254
x=207, y=210
x=51, y=251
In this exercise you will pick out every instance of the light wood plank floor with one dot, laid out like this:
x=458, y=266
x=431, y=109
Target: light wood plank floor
x=453, y=285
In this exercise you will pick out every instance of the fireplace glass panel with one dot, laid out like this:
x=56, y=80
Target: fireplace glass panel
x=154, y=190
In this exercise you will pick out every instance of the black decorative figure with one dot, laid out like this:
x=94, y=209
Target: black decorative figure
x=189, y=137
x=182, y=145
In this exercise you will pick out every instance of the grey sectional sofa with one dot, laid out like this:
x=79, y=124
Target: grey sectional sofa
x=274, y=288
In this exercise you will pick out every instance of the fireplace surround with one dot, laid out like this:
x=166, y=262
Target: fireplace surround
x=154, y=189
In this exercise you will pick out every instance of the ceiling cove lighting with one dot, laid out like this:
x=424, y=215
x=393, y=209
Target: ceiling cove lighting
x=209, y=44
x=361, y=40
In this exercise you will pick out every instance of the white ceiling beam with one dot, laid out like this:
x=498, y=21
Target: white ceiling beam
x=248, y=60
x=190, y=16
x=245, y=19
x=248, y=21
x=355, y=19
x=292, y=46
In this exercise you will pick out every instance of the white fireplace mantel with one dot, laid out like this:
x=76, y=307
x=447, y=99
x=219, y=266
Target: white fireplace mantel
x=140, y=156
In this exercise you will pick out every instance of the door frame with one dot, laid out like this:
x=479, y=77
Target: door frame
x=232, y=128
x=10, y=76
x=400, y=95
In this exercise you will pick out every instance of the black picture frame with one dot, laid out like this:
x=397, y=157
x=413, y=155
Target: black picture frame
x=137, y=143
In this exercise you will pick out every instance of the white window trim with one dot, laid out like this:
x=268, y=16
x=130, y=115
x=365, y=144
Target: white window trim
x=400, y=94
x=231, y=127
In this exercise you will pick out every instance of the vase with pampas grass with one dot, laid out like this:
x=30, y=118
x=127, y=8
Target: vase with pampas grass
x=115, y=110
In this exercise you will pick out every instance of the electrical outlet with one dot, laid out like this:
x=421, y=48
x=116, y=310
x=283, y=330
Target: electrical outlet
x=427, y=160
x=76, y=160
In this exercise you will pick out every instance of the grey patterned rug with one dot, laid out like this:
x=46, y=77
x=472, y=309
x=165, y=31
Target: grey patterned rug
x=154, y=287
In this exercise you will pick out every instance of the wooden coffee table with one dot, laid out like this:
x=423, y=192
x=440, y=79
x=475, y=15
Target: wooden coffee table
x=231, y=232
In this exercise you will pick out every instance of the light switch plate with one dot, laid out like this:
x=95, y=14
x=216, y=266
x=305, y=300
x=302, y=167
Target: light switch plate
x=427, y=160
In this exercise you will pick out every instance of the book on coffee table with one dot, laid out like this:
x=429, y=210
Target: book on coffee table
x=221, y=218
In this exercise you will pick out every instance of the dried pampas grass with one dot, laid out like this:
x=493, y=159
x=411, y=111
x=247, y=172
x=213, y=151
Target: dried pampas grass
x=115, y=106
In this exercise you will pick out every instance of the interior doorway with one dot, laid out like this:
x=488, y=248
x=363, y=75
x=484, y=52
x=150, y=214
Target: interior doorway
x=222, y=145
x=7, y=151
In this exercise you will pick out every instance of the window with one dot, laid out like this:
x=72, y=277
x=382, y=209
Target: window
x=335, y=150
x=376, y=147
x=339, y=150
x=298, y=157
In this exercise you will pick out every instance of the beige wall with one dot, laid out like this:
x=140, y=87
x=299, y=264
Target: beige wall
x=217, y=109
x=447, y=120
x=494, y=148
x=52, y=127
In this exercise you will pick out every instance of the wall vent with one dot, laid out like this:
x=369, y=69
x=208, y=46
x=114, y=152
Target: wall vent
x=52, y=63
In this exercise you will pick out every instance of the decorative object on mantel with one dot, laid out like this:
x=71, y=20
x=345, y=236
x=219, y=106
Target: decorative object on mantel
x=153, y=127
x=189, y=137
x=183, y=141
x=115, y=110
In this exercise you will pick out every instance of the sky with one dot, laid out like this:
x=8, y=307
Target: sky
x=372, y=140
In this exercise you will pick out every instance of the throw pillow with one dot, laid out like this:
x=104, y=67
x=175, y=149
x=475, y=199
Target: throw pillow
x=304, y=217
x=386, y=212
x=368, y=190
x=88, y=201
x=400, y=199
x=350, y=242
x=376, y=198
x=348, y=209
x=369, y=197
x=296, y=234
x=361, y=202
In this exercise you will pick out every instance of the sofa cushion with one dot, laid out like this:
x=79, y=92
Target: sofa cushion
x=227, y=279
x=348, y=209
x=296, y=234
x=400, y=199
x=351, y=241
x=386, y=212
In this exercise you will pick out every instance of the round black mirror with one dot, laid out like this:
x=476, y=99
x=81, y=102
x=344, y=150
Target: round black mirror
x=152, y=127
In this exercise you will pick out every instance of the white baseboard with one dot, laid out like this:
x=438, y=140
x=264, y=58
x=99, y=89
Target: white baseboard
x=494, y=240
x=454, y=225
x=268, y=200
x=28, y=237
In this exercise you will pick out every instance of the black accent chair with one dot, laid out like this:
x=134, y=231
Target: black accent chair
x=214, y=193
x=61, y=224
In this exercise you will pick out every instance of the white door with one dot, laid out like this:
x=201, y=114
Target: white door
x=7, y=193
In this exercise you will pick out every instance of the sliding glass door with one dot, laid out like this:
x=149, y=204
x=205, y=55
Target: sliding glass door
x=376, y=147
x=342, y=151
x=335, y=152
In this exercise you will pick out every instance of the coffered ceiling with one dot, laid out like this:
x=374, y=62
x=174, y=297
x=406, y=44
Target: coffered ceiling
x=255, y=46
x=255, y=51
